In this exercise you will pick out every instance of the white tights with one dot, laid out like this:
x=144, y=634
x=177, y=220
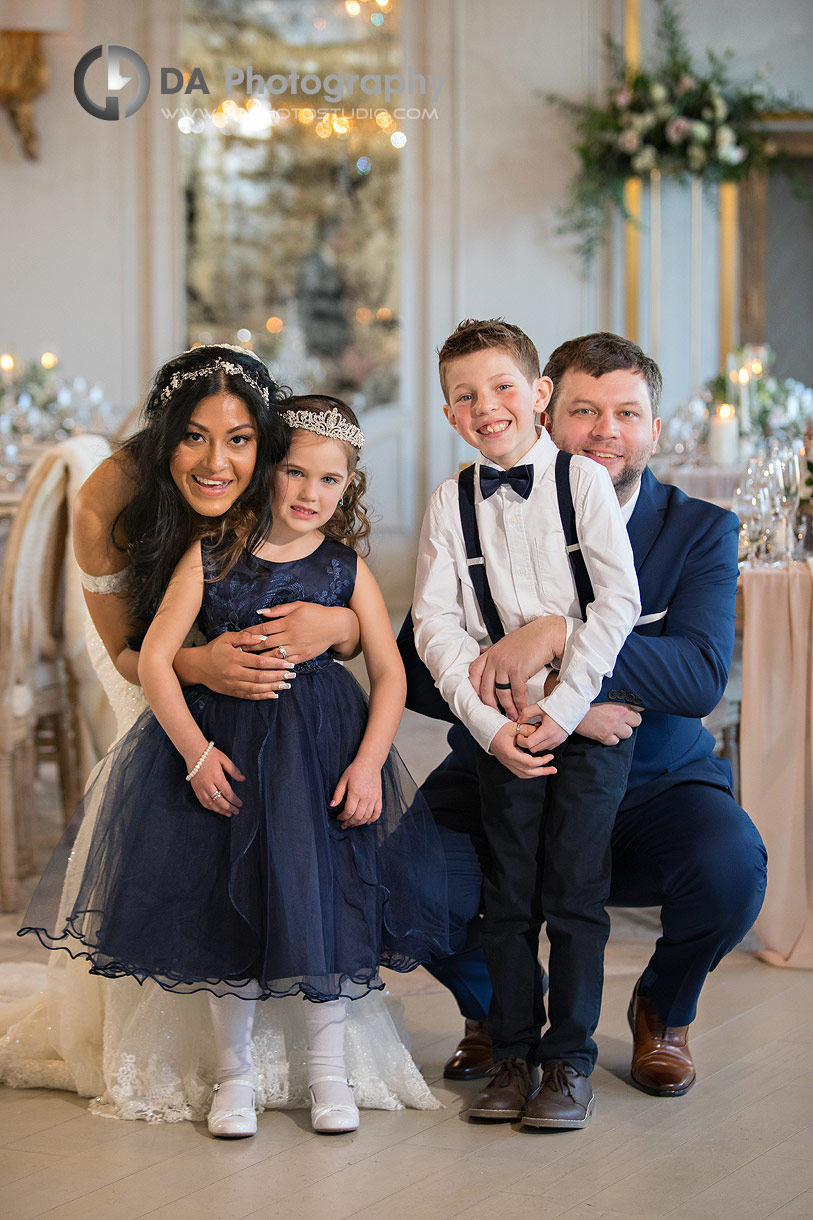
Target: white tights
x=232, y=1022
x=325, y=1026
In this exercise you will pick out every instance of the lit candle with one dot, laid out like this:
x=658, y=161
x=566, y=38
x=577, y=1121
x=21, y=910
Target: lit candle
x=724, y=437
x=745, y=401
x=759, y=365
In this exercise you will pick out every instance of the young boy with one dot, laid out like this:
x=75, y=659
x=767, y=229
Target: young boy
x=548, y=838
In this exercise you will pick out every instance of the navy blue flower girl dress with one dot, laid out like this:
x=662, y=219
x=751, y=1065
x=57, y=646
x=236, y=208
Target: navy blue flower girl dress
x=280, y=899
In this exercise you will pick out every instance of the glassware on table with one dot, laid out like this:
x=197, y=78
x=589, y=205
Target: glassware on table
x=786, y=475
x=804, y=536
x=9, y=466
x=754, y=509
x=683, y=431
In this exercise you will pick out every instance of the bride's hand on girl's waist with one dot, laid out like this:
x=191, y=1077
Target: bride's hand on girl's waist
x=238, y=663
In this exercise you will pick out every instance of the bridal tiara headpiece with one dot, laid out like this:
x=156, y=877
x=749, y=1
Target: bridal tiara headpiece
x=228, y=366
x=330, y=423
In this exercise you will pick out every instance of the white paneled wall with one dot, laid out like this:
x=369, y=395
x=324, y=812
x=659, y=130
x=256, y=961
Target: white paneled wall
x=92, y=258
x=484, y=184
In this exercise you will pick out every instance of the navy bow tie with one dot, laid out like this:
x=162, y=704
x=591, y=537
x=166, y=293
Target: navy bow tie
x=521, y=478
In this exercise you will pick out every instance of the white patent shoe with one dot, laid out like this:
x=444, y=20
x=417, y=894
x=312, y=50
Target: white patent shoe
x=335, y=1118
x=232, y=1116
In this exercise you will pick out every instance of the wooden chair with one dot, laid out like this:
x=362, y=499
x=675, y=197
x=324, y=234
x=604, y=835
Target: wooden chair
x=34, y=683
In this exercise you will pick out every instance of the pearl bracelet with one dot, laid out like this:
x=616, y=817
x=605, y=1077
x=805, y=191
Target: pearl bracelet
x=200, y=761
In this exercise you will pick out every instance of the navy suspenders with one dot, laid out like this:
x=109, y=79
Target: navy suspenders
x=474, y=555
x=567, y=513
x=474, y=552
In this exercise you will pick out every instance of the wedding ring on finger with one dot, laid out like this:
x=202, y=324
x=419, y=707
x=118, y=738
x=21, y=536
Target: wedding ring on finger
x=282, y=652
x=502, y=685
x=215, y=795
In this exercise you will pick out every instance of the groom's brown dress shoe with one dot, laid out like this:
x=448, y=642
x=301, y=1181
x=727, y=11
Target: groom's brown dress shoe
x=473, y=1057
x=661, y=1060
x=511, y=1084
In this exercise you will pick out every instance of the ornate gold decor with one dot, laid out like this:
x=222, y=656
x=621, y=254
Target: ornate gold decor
x=23, y=76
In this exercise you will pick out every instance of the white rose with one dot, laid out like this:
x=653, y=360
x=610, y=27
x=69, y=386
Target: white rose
x=629, y=141
x=658, y=92
x=731, y=154
x=645, y=160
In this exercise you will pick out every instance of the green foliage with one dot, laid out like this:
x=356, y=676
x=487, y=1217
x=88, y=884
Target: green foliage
x=672, y=118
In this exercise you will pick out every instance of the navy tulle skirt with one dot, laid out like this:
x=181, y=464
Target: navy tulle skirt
x=277, y=900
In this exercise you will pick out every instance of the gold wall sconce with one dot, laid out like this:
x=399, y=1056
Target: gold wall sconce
x=24, y=73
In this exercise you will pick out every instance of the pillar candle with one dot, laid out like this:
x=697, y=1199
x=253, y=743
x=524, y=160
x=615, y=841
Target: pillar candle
x=724, y=437
x=745, y=401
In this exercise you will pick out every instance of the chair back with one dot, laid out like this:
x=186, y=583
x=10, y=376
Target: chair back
x=31, y=581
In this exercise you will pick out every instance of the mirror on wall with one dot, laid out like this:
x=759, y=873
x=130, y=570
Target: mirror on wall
x=292, y=181
x=776, y=252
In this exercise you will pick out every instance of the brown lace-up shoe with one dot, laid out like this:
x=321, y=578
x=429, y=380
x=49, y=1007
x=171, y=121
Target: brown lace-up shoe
x=564, y=1100
x=473, y=1057
x=511, y=1084
x=661, y=1060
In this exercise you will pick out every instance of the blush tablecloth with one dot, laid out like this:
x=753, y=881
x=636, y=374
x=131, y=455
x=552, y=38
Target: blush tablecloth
x=706, y=482
x=776, y=747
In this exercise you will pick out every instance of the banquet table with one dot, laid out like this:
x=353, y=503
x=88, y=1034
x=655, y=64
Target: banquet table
x=700, y=479
x=776, y=748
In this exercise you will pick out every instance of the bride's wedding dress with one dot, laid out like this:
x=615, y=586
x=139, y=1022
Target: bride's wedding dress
x=140, y=1052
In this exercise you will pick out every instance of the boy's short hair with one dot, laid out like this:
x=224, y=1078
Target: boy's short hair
x=473, y=335
x=600, y=353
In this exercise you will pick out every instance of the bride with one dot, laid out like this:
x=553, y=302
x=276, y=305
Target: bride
x=136, y=1050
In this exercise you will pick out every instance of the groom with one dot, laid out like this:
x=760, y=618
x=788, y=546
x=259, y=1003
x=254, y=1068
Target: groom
x=681, y=842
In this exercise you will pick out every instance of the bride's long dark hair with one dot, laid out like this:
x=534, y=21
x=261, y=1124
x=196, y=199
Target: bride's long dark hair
x=158, y=526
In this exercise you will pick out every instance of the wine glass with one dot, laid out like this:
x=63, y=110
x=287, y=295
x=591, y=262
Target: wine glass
x=9, y=465
x=787, y=476
x=753, y=507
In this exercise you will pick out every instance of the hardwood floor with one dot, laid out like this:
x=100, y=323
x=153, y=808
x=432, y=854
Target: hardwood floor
x=739, y=1144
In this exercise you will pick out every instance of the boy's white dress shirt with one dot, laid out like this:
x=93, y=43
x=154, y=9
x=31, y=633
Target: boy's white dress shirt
x=529, y=574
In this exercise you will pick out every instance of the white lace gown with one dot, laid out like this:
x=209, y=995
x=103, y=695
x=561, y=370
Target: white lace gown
x=140, y=1052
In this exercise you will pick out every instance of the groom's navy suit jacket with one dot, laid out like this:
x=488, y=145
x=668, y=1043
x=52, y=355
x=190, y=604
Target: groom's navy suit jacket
x=675, y=662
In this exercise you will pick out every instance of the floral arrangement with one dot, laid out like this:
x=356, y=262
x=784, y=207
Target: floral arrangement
x=672, y=118
x=778, y=406
x=37, y=404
